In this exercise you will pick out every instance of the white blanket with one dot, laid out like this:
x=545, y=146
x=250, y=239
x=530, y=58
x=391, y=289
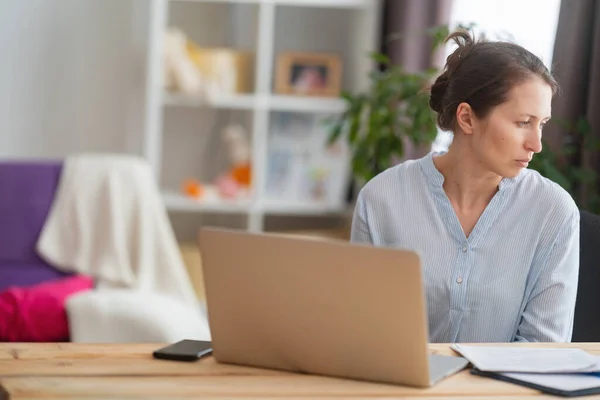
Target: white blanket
x=127, y=316
x=108, y=221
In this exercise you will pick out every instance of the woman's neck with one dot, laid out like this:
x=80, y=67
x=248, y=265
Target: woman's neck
x=467, y=183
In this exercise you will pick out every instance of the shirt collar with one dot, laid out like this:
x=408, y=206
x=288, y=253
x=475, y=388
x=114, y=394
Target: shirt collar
x=436, y=179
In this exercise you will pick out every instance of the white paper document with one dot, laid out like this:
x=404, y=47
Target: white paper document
x=532, y=360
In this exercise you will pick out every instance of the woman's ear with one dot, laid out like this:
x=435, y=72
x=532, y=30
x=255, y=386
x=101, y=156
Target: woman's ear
x=465, y=118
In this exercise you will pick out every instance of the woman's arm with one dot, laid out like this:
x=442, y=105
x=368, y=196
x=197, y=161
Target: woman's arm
x=548, y=315
x=360, y=232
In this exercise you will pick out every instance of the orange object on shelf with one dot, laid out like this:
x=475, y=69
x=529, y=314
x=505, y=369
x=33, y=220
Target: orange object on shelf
x=193, y=188
x=242, y=174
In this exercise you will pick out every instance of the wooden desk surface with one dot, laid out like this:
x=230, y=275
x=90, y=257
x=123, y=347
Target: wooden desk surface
x=128, y=371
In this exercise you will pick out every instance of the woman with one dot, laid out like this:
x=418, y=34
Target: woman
x=499, y=244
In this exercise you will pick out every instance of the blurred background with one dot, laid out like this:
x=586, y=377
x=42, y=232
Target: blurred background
x=248, y=112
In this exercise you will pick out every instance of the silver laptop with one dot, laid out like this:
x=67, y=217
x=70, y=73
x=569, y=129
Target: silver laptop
x=319, y=307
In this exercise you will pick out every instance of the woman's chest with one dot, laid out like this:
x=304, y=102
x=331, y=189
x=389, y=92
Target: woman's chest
x=465, y=272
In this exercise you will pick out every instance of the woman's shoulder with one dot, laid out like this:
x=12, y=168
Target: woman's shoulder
x=393, y=178
x=546, y=194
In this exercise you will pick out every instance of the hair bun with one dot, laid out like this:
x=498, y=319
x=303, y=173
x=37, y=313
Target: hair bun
x=438, y=92
x=465, y=43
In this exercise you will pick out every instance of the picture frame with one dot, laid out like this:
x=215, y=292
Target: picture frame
x=308, y=74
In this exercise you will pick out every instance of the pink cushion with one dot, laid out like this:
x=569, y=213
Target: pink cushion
x=37, y=313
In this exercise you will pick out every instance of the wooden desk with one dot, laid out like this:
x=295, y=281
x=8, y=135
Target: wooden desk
x=84, y=371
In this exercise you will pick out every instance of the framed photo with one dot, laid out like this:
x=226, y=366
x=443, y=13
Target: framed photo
x=308, y=74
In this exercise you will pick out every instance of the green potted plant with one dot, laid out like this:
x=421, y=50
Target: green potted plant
x=394, y=109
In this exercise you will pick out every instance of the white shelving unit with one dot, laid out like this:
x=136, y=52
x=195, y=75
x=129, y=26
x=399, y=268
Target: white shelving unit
x=260, y=104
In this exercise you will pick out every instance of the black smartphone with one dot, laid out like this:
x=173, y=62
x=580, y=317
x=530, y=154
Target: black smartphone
x=184, y=350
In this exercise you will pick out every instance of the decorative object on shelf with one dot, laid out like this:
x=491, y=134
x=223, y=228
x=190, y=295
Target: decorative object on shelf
x=195, y=70
x=308, y=74
x=221, y=190
x=233, y=183
x=301, y=167
x=193, y=188
x=238, y=144
x=394, y=108
x=318, y=190
x=225, y=71
x=180, y=73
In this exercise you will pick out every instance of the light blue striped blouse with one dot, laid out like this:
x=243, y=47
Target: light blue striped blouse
x=513, y=279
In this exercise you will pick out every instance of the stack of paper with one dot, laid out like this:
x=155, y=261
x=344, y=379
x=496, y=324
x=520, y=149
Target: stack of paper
x=563, y=372
x=515, y=359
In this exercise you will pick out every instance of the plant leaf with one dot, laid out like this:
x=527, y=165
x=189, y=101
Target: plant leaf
x=381, y=58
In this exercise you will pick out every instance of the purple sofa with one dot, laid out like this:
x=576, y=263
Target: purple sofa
x=26, y=192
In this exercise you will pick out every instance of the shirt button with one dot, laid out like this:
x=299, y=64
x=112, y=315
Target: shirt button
x=464, y=249
x=459, y=280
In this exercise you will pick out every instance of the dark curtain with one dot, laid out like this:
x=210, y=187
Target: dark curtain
x=576, y=65
x=405, y=41
x=411, y=18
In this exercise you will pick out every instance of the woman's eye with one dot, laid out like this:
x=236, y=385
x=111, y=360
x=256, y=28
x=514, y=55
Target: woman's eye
x=522, y=124
x=542, y=125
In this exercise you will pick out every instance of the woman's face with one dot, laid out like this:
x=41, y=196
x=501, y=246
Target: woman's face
x=507, y=138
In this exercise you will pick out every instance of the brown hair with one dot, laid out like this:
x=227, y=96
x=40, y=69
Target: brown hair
x=481, y=73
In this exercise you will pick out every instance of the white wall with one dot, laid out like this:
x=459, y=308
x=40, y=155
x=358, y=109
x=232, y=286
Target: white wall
x=530, y=23
x=71, y=77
